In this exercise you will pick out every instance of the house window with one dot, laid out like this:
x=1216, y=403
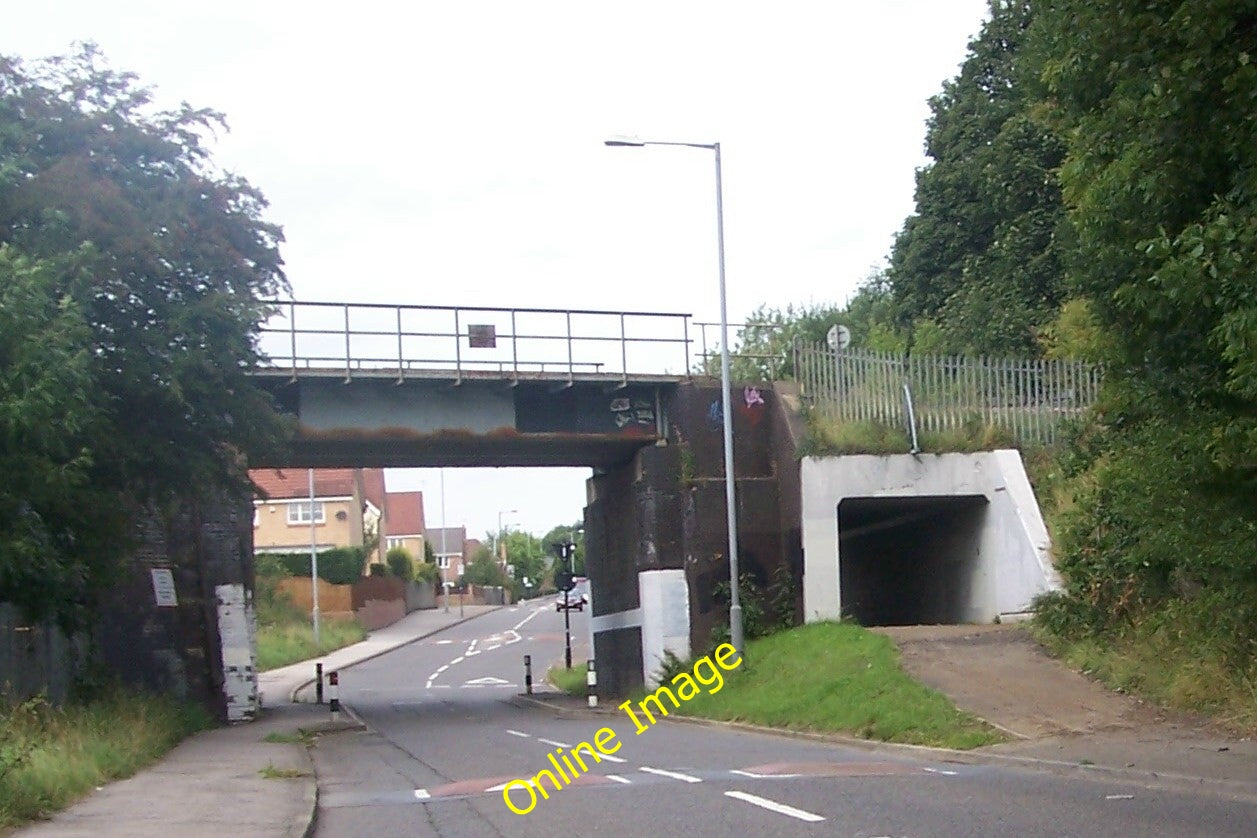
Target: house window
x=392, y=541
x=443, y=561
x=299, y=513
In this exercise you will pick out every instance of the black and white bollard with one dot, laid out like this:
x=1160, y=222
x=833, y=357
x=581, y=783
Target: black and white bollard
x=318, y=683
x=591, y=684
x=528, y=674
x=333, y=695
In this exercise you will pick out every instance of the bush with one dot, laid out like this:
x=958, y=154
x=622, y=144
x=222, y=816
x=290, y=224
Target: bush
x=338, y=566
x=400, y=564
x=378, y=569
x=427, y=573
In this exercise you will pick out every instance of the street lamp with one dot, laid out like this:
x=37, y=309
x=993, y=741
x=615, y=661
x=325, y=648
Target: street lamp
x=497, y=536
x=735, y=605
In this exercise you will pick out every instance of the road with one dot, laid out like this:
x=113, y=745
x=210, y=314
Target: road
x=443, y=738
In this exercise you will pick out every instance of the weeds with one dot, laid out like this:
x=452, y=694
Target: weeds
x=51, y=756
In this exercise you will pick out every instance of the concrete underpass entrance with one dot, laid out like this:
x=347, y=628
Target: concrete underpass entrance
x=922, y=538
x=910, y=560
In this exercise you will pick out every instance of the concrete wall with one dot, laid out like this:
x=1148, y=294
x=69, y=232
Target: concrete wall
x=987, y=557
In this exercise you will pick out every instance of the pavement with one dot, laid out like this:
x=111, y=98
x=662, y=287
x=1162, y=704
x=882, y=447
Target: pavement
x=230, y=780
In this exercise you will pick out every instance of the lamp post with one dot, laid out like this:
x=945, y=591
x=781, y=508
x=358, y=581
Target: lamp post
x=497, y=537
x=735, y=604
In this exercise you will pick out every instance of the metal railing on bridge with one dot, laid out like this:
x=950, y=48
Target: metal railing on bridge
x=1027, y=398
x=422, y=341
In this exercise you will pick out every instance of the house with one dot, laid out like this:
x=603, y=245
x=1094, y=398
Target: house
x=348, y=510
x=404, y=522
x=449, y=545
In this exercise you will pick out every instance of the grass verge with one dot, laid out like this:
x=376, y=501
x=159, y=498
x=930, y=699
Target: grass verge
x=285, y=643
x=284, y=632
x=1175, y=655
x=838, y=678
x=571, y=681
x=49, y=757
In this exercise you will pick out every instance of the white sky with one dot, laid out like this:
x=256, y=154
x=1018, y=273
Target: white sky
x=451, y=152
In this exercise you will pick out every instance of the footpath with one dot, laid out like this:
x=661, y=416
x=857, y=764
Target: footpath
x=230, y=780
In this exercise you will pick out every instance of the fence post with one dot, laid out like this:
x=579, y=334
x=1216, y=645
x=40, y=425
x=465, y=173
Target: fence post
x=318, y=683
x=528, y=674
x=333, y=695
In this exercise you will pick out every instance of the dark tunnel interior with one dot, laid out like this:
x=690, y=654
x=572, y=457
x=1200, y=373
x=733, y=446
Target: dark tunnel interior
x=909, y=560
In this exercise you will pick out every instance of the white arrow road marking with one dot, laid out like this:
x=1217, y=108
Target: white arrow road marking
x=552, y=742
x=421, y=794
x=487, y=681
x=755, y=776
x=673, y=774
x=494, y=646
x=519, y=733
x=773, y=806
x=618, y=778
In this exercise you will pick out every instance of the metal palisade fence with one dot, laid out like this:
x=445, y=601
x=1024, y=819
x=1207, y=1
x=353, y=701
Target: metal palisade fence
x=1027, y=398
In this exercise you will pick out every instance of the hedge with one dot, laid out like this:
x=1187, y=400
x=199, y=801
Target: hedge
x=338, y=566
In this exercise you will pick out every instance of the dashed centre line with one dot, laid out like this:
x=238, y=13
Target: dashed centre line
x=675, y=775
x=552, y=742
x=519, y=733
x=774, y=806
x=618, y=778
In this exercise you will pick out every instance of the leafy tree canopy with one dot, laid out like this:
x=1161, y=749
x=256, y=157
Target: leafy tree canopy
x=980, y=258
x=138, y=271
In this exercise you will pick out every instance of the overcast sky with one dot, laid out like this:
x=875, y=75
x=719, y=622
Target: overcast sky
x=452, y=152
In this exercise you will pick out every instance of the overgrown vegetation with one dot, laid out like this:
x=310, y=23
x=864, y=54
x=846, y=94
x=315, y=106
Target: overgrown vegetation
x=285, y=634
x=133, y=279
x=829, y=438
x=838, y=677
x=571, y=681
x=49, y=757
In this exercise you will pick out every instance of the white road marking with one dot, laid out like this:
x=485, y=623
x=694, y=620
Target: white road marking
x=526, y=619
x=755, y=776
x=618, y=778
x=519, y=733
x=610, y=758
x=442, y=668
x=422, y=794
x=1119, y=797
x=428, y=685
x=941, y=771
x=476, y=652
x=456, y=660
x=494, y=646
x=773, y=806
x=443, y=642
x=552, y=742
x=673, y=774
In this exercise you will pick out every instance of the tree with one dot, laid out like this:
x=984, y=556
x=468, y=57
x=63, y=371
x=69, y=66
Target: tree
x=484, y=570
x=152, y=269
x=1161, y=182
x=981, y=256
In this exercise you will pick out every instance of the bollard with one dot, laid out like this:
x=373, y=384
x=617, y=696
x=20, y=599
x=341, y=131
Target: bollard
x=528, y=674
x=333, y=694
x=591, y=682
x=318, y=683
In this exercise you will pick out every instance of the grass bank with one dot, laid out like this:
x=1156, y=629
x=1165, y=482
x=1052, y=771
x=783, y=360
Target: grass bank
x=285, y=635
x=569, y=680
x=1179, y=654
x=49, y=757
x=838, y=678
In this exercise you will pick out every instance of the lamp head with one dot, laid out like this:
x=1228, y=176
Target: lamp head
x=621, y=140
